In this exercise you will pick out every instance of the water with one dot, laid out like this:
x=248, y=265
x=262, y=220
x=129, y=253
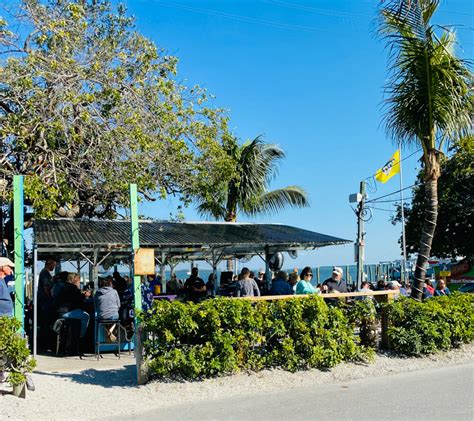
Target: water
x=325, y=272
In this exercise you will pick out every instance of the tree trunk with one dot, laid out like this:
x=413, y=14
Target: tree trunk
x=433, y=170
x=230, y=217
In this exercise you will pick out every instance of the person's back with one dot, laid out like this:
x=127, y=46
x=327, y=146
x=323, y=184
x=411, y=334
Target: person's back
x=247, y=287
x=280, y=285
x=69, y=298
x=107, y=303
x=195, y=286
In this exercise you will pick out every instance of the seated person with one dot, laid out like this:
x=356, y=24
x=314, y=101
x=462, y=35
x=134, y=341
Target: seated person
x=195, y=287
x=280, y=285
x=210, y=284
x=120, y=284
x=294, y=281
x=107, y=305
x=174, y=284
x=107, y=301
x=246, y=286
x=304, y=286
x=70, y=302
x=441, y=289
x=154, y=283
x=335, y=283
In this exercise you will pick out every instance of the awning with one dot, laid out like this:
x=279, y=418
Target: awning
x=177, y=240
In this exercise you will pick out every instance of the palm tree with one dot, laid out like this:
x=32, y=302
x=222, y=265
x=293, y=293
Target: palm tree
x=429, y=100
x=247, y=192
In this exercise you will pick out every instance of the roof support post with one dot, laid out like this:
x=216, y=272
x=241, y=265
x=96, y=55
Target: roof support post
x=163, y=271
x=95, y=272
x=137, y=292
x=19, y=250
x=268, y=273
x=35, y=301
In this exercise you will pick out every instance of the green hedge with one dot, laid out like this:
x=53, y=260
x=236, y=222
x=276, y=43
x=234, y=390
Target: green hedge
x=223, y=336
x=440, y=323
x=15, y=356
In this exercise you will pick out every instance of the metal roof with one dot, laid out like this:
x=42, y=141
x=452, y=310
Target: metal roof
x=176, y=238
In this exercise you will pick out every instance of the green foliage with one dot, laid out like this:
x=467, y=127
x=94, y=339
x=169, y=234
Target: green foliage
x=454, y=235
x=223, y=336
x=362, y=312
x=428, y=98
x=14, y=353
x=247, y=190
x=89, y=105
x=441, y=323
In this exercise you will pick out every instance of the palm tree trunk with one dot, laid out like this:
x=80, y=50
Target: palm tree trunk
x=230, y=217
x=433, y=171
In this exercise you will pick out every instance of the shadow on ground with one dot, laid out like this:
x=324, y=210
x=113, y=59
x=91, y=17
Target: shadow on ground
x=123, y=377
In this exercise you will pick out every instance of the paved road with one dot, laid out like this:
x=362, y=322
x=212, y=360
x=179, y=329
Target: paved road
x=434, y=394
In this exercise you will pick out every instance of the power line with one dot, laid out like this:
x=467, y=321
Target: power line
x=385, y=210
x=240, y=17
x=316, y=9
x=391, y=194
x=391, y=201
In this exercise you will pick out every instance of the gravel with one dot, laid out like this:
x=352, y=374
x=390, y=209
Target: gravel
x=96, y=394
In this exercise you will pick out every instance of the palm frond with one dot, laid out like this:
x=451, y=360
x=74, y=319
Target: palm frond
x=428, y=96
x=211, y=209
x=277, y=200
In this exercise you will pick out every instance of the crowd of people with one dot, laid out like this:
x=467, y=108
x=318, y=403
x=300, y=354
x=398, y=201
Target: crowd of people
x=61, y=296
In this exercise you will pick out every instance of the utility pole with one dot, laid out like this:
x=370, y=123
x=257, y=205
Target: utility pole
x=360, y=243
x=360, y=236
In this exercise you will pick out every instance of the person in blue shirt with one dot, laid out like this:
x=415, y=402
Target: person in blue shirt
x=6, y=303
x=304, y=286
x=280, y=285
x=441, y=289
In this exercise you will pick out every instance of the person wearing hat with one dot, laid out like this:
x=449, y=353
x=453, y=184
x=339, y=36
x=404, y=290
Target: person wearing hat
x=335, y=282
x=6, y=304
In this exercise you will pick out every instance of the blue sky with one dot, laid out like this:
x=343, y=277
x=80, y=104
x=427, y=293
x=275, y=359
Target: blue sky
x=309, y=76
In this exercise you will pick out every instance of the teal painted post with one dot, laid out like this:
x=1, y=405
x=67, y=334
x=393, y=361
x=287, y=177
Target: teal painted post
x=137, y=292
x=318, y=279
x=141, y=374
x=19, y=250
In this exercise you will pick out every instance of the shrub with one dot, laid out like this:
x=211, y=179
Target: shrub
x=440, y=323
x=14, y=353
x=223, y=335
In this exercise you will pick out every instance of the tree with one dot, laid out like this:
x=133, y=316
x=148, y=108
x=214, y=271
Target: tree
x=429, y=101
x=454, y=235
x=88, y=105
x=247, y=191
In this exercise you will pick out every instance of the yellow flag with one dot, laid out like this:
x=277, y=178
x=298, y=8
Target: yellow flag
x=391, y=168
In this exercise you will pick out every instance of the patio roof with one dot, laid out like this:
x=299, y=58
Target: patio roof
x=176, y=240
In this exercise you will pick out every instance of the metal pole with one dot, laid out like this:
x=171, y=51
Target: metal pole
x=268, y=273
x=35, y=301
x=19, y=250
x=360, y=237
x=404, y=245
x=163, y=272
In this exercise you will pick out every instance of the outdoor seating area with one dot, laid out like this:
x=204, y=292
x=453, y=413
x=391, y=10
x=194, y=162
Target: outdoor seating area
x=106, y=244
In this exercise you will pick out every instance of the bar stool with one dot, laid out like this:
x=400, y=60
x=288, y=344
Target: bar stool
x=99, y=325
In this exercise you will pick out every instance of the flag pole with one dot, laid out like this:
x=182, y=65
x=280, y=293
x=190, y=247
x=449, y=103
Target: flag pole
x=404, y=246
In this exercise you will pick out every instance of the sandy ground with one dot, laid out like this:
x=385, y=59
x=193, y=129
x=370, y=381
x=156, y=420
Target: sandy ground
x=96, y=393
